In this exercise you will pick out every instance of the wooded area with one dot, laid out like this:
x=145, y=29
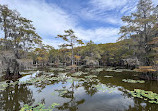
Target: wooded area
x=79, y=75
x=21, y=47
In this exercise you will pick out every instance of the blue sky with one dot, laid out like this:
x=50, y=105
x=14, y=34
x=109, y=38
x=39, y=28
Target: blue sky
x=96, y=20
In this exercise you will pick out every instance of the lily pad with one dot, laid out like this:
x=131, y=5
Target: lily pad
x=133, y=81
x=146, y=95
x=108, y=76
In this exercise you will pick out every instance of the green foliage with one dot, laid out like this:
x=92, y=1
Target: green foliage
x=146, y=95
x=133, y=81
x=112, y=53
x=77, y=74
x=39, y=107
x=141, y=28
x=71, y=40
x=108, y=76
x=62, y=92
x=91, y=53
x=19, y=33
x=4, y=85
x=97, y=70
x=95, y=55
x=104, y=88
x=42, y=55
x=19, y=38
x=90, y=76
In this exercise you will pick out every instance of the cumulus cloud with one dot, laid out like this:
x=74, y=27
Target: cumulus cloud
x=99, y=35
x=50, y=20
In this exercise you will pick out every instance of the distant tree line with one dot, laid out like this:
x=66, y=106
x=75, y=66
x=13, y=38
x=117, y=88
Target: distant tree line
x=137, y=46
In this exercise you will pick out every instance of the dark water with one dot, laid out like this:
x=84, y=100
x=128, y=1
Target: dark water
x=95, y=94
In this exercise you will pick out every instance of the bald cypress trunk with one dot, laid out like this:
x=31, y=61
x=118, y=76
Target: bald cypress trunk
x=16, y=69
x=72, y=56
x=5, y=32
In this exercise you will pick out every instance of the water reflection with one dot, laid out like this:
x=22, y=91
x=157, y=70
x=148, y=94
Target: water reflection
x=73, y=103
x=89, y=87
x=80, y=93
x=14, y=97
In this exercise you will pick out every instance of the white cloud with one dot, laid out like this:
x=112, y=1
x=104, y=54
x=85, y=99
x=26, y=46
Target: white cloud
x=105, y=11
x=155, y=2
x=99, y=35
x=50, y=20
x=53, y=42
x=100, y=16
x=108, y=4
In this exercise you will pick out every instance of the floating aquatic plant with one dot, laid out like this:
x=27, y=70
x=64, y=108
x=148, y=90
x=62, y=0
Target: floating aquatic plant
x=4, y=85
x=90, y=76
x=57, y=69
x=62, y=92
x=63, y=74
x=39, y=107
x=77, y=74
x=104, y=88
x=72, y=79
x=43, y=78
x=88, y=69
x=109, y=69
x=98, y=70
x=54, y=105
x=27, y=72
x=108, y=76
x=133, y=81
x=35, y=79
x=91, y=80
x=53, y=78
x=146, y=95
x=118, y=70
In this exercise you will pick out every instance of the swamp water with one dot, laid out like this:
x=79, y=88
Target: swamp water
x=86, y=90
